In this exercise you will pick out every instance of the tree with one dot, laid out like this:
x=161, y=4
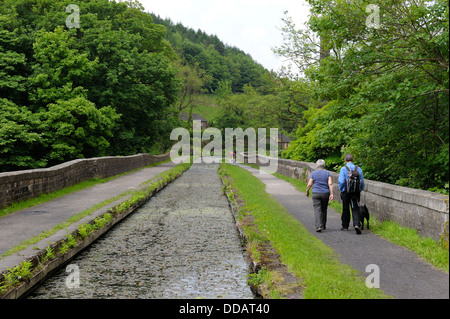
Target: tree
x=59, y=69
x=12, y=63
x=301, y=46
x=297, y=95
x=105, y=88
x=20, y=140
x=76, y=129
x=221, y=62
x=386, y=87
x=247, y=109
x=195, y=81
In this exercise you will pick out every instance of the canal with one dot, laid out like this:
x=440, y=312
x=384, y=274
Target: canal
x=181, y=244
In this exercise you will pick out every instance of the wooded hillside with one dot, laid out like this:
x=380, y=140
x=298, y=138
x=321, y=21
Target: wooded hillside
x=105, y=88
x=221, y=62
x=372, y=79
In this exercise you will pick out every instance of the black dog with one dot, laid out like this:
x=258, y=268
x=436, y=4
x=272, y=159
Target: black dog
x=364, y=214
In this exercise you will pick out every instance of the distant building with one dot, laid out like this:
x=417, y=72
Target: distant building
x=195, y=117
x=283, y=141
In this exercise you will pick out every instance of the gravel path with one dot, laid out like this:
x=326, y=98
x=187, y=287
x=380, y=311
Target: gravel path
x=181, y=244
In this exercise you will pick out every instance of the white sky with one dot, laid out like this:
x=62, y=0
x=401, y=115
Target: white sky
x=250, y=25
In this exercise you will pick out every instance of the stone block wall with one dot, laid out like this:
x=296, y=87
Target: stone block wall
x=428, y=212
x=22, y=185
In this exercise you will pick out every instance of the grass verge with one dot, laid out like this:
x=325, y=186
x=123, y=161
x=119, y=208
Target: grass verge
x=323, y=276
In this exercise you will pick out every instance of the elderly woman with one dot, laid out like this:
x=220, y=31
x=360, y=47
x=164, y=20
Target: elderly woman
x=322, y=185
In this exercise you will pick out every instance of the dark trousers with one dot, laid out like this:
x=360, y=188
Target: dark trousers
x=350, y=201
x=320, y=204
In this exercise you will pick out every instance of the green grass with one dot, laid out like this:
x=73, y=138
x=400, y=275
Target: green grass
x=425, y=247
x=306, y=256
x=206, y=107
x=268, y=279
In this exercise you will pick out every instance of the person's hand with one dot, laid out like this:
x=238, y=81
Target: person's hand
x=331, y=197
x=307, y=194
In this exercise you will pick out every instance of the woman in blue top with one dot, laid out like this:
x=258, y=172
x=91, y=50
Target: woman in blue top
x=322, y=185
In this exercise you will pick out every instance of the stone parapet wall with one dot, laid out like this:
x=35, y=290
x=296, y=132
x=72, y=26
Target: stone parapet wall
x=22, y=185
x=428, y=212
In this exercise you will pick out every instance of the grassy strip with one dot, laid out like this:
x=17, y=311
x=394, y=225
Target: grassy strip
x=306, y=256
x=26, y=269
x=266, y=280
x=66, y=191
x=428, y=249
x=269, y=280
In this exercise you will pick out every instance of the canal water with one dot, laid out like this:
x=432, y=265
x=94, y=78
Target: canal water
x=180, y=244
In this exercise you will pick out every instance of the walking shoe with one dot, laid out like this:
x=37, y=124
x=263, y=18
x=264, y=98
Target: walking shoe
x=344, y=229
x=358, y=230
x=319, y=229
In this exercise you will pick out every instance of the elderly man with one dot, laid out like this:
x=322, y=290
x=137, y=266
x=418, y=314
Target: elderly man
x=351, y=193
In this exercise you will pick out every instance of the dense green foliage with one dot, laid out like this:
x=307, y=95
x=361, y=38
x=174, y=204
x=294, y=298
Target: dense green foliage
x=282, y=106
x=207, y=65
x=383, y=92
x=105, y=88
x=116, y=85
x=247, y=95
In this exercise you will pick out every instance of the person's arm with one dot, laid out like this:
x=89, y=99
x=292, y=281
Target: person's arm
x=330, y=185
x=310, y=184
x=342, y=178
x=363, y=184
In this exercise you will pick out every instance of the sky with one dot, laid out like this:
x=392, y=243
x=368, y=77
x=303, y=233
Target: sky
x=254, y=26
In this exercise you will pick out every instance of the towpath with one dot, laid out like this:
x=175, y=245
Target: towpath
x=403, y=274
